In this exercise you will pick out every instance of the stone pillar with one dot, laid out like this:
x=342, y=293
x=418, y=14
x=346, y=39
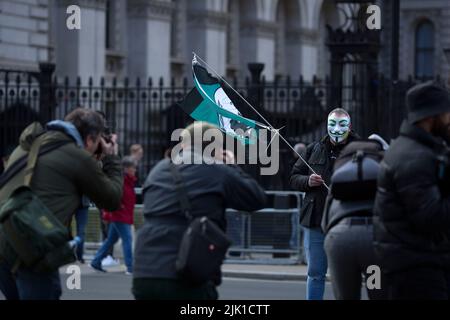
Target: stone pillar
x=310, y=54
x=293, y=50
x=207, y=36
x=149, y=24
x=80, y=52
x=257, y=44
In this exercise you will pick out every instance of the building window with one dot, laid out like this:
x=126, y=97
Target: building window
x=109, y=25
x=424, y=50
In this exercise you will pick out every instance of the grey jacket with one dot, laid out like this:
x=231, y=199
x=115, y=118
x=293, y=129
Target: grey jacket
x=210, y=190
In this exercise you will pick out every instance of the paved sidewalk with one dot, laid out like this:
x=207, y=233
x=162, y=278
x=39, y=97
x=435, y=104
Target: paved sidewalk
x=267, y=272
x=241, y=270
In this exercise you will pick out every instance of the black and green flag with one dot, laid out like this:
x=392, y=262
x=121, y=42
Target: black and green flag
x=207, y=101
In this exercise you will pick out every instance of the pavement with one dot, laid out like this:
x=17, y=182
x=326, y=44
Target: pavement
x=240, y=282
x=265, y=272
x=249, y=270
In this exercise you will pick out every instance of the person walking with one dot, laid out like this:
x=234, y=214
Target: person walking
x=121, y=221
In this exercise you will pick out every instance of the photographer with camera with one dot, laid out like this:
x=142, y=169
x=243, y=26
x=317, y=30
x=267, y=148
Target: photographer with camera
x=60, y=177
x=207, y=189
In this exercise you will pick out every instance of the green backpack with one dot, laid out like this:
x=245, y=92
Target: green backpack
x=39, y=240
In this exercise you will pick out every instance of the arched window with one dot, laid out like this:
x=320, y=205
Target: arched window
x=424, y=50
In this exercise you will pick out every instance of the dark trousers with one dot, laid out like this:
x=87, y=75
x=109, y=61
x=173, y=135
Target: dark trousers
x=349, y=249
x=171, y=289
x=81, y=218
x=424, y=283
x=29, y=285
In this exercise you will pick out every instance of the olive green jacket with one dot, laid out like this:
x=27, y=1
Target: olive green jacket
x=63, y=175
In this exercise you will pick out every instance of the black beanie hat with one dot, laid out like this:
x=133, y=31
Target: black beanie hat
x=427, y=100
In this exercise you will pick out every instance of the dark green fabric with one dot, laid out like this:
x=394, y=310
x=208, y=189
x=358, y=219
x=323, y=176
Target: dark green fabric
x=38, y=238
x=62, y=176
x=171, y=289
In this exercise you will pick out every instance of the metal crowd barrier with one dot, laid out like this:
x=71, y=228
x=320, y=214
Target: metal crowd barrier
x=269, y=236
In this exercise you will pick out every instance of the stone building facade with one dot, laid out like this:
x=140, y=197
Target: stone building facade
x=155, y=38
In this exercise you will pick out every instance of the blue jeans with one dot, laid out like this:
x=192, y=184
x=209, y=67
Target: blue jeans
x=116, y=230
x=28, y=285
x=317, y=263
x=81, y=218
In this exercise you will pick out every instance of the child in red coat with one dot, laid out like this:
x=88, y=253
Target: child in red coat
x=121, y=220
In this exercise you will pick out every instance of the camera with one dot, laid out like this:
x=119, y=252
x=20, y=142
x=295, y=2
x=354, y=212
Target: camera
x=107, y=133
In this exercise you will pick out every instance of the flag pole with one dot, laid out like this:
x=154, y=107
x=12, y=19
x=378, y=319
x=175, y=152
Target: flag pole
x=271, y=128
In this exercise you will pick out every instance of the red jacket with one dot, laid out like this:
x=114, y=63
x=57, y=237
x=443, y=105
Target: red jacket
x=126, y=212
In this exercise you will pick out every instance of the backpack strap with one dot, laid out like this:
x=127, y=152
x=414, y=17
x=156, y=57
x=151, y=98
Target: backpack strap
x=31, y=162
x=181, y=191
x=21, y=163
x=358, y=157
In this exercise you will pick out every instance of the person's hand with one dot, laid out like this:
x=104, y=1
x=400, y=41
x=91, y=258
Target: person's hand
x=315, y=180
x=111, y=147
x=228, y=157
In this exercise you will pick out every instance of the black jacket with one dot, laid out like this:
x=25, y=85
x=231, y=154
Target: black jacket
x=412, y=211
x=210, y=190
x=320, y=156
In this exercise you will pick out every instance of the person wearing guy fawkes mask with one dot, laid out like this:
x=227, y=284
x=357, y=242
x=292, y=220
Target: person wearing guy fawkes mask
x=320, y=155
x=412, y=208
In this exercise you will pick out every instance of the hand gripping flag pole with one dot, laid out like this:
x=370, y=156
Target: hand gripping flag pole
x=196, y=58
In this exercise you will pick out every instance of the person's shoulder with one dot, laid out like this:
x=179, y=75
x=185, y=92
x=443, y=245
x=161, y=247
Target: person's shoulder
x=353, y=136
x=406, y=148
x=219, y=171
x=314, y=145
x=408, y=157
x=162, y=164
x=75, y=153
x=156, y=170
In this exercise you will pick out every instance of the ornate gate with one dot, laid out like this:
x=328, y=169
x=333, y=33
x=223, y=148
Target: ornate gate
x=354, y=63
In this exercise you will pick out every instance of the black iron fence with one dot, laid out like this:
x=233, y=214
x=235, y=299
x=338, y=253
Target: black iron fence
x=146, y=112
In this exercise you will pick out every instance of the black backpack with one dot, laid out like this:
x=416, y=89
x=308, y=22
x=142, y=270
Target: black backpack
x=203, y=246
x=353, y=183
x=355, y=171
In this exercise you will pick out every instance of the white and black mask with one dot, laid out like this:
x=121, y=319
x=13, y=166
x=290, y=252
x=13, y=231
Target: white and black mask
x=338, y=127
